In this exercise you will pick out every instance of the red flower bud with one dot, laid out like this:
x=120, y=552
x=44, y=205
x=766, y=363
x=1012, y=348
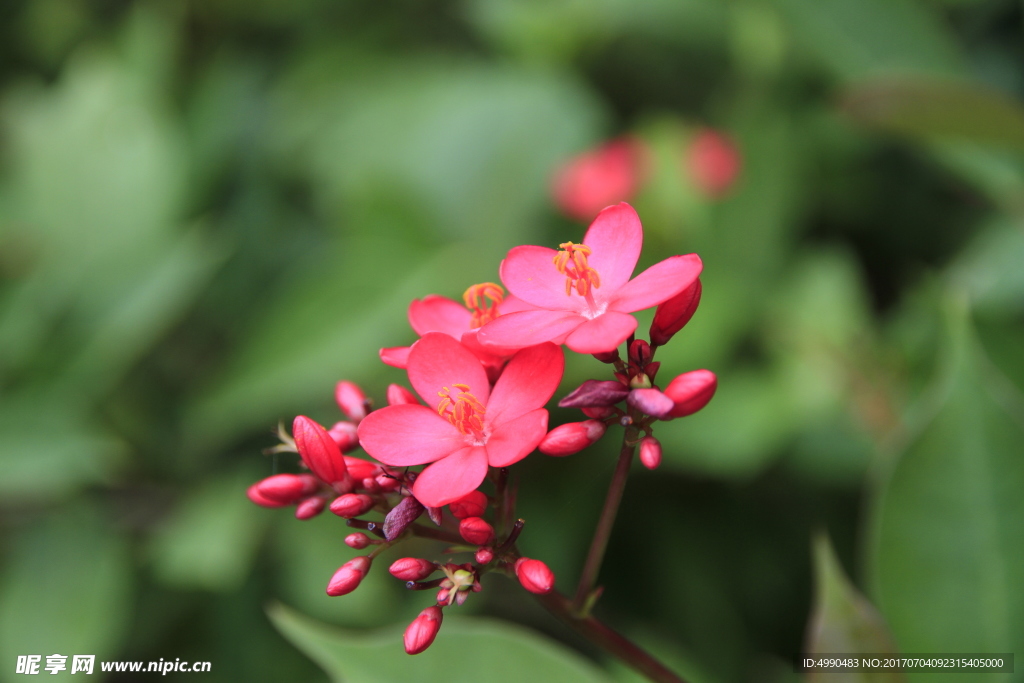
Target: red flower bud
x=535, y=576
x=370, y=485
x=399, y=395
x=691, y=391
x=476, y=531
x=640, y=353
x=651, y=402
x=358, y=540
x=571, y=437
x=348, y=576
x=287, y=488
x=442, y=596
x=412, y=569
x=344, y=434
x=472, y=504
x=351, y=400
x=319, y=451
x=595, y=393
x=387, y=482
x=484, y=555
x=360, y=469
x=603, y=176
x=598, y=413
x=712, y=162
x=255, y=496
x=351, y=505
x=672, y=315
x=309, y=508
x=650, y=452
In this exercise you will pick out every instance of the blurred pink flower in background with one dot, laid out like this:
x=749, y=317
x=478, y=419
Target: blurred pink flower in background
x=712, y=162
x=610, y=174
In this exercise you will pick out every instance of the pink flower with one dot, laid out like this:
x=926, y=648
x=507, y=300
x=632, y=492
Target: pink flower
x=483, y=302
x=584, y=293
x=712, y=162
x=465, y=425
x=591, y=181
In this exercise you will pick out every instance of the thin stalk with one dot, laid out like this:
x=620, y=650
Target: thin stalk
x=592, y=565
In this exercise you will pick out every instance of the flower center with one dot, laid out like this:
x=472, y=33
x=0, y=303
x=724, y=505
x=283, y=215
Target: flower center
x=571, y=262
x=482, y=300
x=463, y=410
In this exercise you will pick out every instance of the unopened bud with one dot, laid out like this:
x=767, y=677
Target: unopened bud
x=287, y=488
x=650, y=402
x=348, y=576
x=412, y=569
x=608, y=357
x=358, y=540
x=255, y=496
x=422, y=631
x=473, y=504
x=360, y=469
x=309, y=508
x=595, y=392
x=351, y=400
x=399, y=395
x=640, y=353
x=571, y=437
x=650, y=452
x=370, y=485
x=345, y=435
x=387, y=482
x=484, y=555
x=598, y=413
x=319, y=451
x=476, y=531
x=351, y=505
x=535, y=576
x=443, y=596
x=691, y=391
x=672, y=315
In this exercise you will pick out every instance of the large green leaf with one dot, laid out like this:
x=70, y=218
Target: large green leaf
x=947, y=533
x=465, y=650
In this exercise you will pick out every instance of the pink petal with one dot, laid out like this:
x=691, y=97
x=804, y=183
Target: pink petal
x=395, y=356
x=514, y=440
x=528, y=382
x=408, y=435
x=660, y=282
x=526, y=328
x=602, y=334
x=451, y=478
x=530, y=274
x=513, y=304
x=616, y=238
x=436, y=313
x=437, y=361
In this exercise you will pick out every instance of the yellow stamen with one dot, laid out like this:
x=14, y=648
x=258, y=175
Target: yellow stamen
x=578, y=274
x=482, y=300
x=464, y=410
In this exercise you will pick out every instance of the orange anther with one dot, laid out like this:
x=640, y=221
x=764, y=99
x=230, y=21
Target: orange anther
x=571, y=261
x=482, y=300
x=464, y=410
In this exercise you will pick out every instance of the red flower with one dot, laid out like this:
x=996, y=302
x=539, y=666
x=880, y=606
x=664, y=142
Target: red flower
x=593, y=180
x=464, y=426
x=584, y=292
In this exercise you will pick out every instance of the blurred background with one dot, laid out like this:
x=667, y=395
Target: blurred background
x=212, y=211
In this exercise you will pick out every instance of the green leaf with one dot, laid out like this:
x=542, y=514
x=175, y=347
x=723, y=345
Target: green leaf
x=947, y=533
x=843, y=621
x=465, y=650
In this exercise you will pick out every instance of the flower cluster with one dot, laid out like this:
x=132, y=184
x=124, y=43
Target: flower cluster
x=481, y=373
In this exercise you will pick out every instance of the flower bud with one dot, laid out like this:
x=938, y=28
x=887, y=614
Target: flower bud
x=412, y=569
x=476, y=530
x=351, y=505
x=484, y=555
x=598, y=413
x=287, y=488
x=309, y=508
x=595, y=393
x=473, y=504
x=319, y=451
x=358, y=540
x=370, y=485
x=691, y=391
x=571, y=437
x=360, y=469
x=672, y=315
x=348, y=576
x=399, y=395
x=444, y=595
x=650, y=402
x=255, y=496
x=535, y=576
x=712, y=162
x=351, y=400
x=345, y=435
x=650, y=452
x=640, y=353
x=387, y=482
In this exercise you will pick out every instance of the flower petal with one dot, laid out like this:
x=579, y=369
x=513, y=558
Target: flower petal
x=530, y=274
x=395, y=356
x=513, y=304
x=451, y=478
x=616, y=239
x=660, y=282
x=514, y=440
x=602, y=334
x=526, y=328
x=435, y=313
x=528, y=382
x=408, y=434
x=437, y=361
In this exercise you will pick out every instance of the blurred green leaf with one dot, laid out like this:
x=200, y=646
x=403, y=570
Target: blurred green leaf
x=843, y=621
x=990, y=271
x=947, y=532
x=66, y=590
x=210, y=539
x=465, y=650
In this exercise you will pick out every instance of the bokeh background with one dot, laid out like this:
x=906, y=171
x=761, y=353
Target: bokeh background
x=212, y=211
